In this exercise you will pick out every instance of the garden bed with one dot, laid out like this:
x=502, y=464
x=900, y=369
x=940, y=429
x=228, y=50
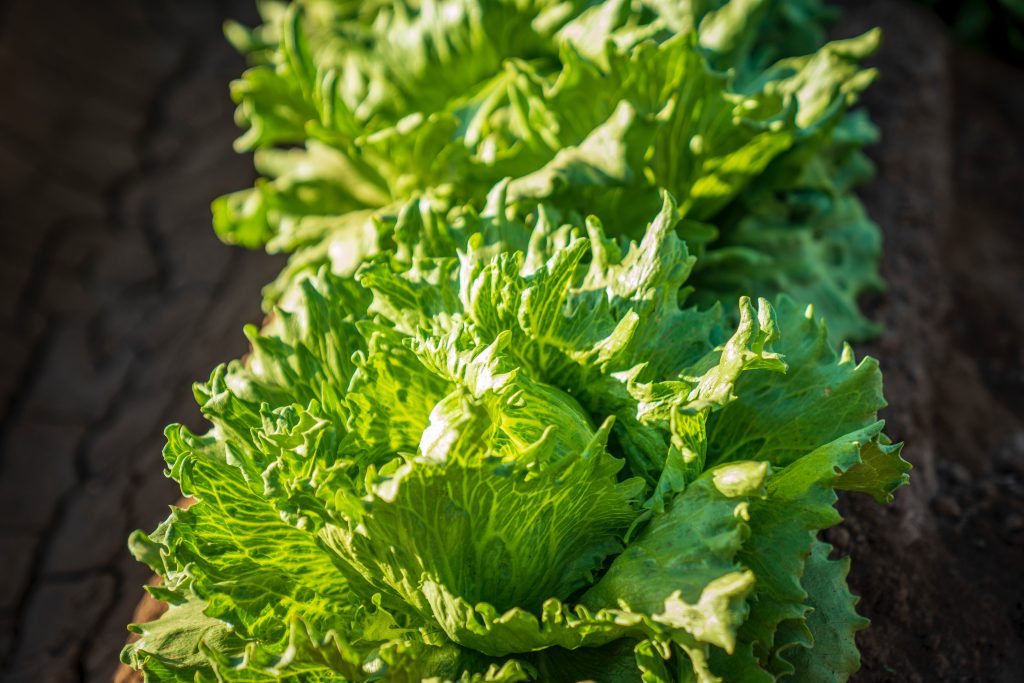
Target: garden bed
x=938, y=572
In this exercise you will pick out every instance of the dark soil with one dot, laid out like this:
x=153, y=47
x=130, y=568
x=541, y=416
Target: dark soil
x=940, y=571
x=115, y=135
x=114, y=295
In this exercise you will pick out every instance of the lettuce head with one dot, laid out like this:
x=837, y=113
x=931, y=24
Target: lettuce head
x=510, y=450
x=740, y=109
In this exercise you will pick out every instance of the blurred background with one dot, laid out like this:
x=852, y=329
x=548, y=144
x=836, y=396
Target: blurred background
x=115, y=295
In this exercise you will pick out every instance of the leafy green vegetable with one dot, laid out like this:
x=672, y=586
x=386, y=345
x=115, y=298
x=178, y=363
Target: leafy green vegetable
x=473, y=461
x=494, y=428
x=737, y=108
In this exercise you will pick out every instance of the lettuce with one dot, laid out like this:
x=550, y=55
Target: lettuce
x=739, y=109
x=514, y=464
x=497, y=426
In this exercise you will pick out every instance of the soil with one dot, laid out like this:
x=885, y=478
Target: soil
x=114, y=296
x=115, y=135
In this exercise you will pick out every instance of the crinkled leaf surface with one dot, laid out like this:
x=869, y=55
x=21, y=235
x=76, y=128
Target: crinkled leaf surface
x=504, y=463
x=514, y=414
x=739, y=108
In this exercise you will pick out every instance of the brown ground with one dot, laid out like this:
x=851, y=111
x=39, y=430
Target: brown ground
x=114, y=295
x=115, y=134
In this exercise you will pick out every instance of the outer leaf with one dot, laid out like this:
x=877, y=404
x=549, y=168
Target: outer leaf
x=822, y=397
x=683, y=568
x=833, y=621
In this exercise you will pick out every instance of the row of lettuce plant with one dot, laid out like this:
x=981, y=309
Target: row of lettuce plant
x=516, y=412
